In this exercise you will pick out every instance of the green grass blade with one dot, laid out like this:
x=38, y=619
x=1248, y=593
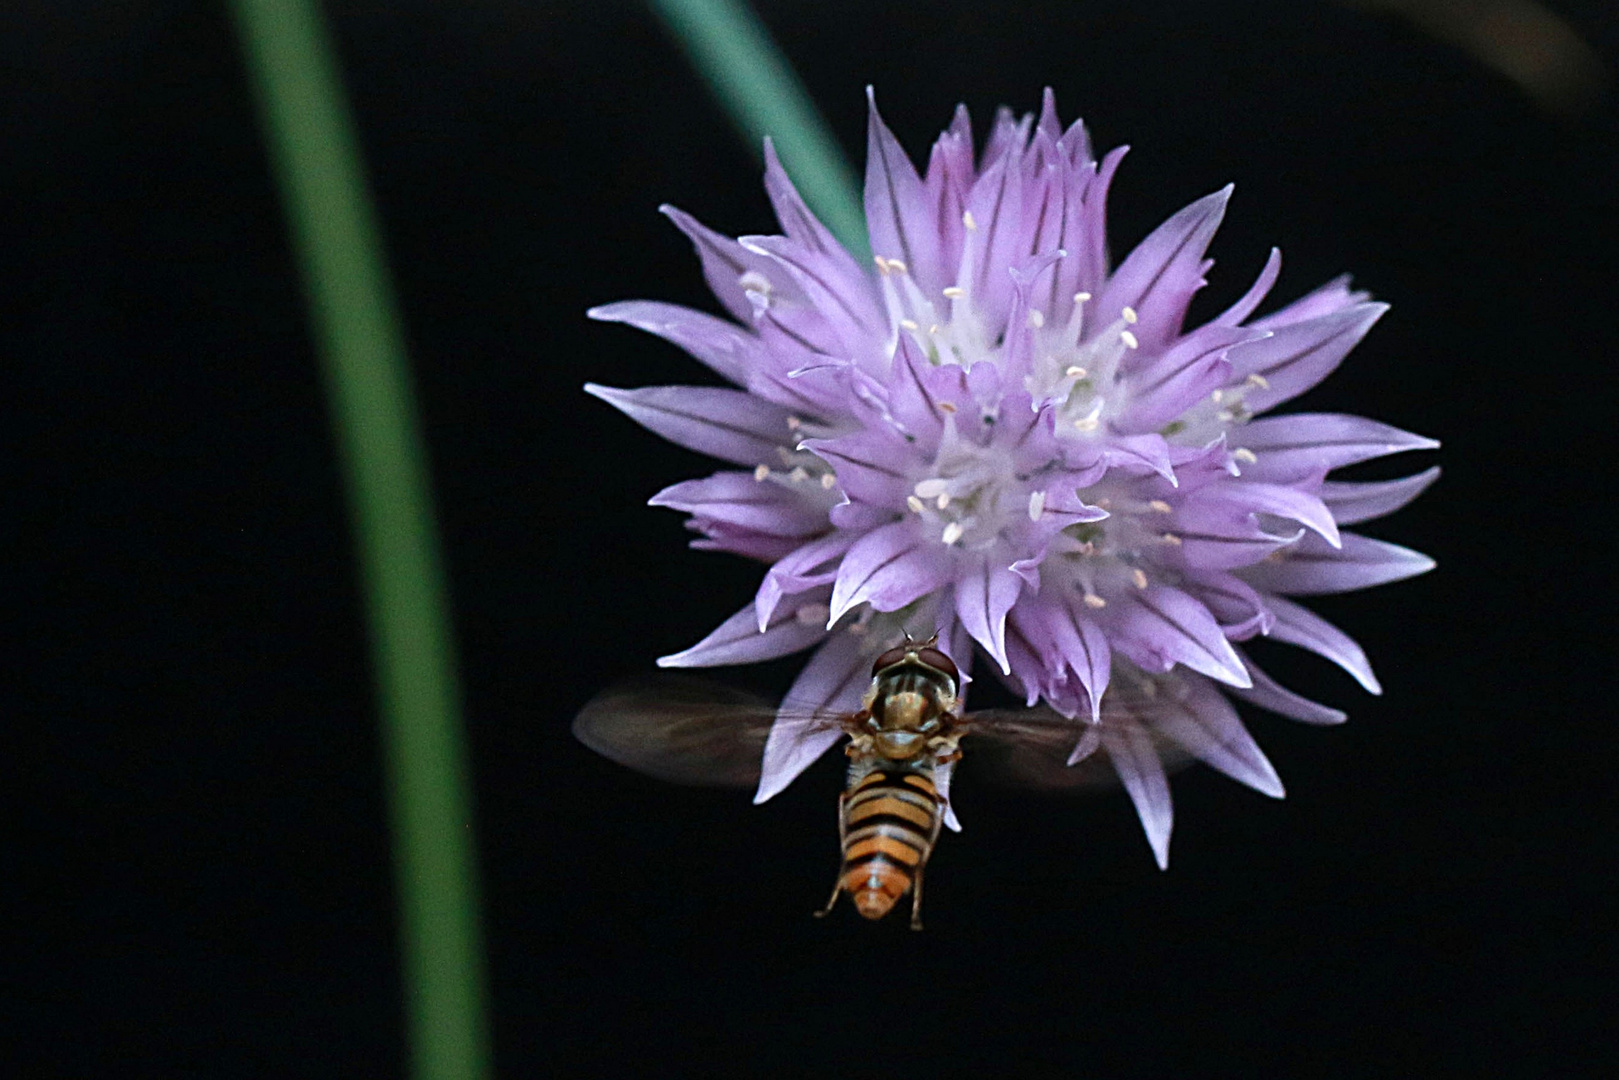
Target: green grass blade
x=733, y=51
x=316, y=161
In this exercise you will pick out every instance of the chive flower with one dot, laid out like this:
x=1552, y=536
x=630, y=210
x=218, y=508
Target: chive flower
x=994, y=434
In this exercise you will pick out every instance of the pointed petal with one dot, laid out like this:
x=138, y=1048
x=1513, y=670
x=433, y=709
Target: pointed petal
x=1171, y=392
x=897, y=207
x=983, y=597
x=1298, y=356
x=1311, y=568
x=1216, y=533
x=1355, y=502
x=815, y=563
x=832, y=681
x=1261, y=287
x=839, y=290
x=1240, y=611
x=1083, y=645
x=1089, y=256
x=1163, y=624
x=1158, y=278
x=868, y=465
x=1130, y=750
x=1206, y=724
x=1301, y=444
x=736, y=498
x=728, y=424
x=1280, y=500
x=738, y=640
x=1267, y=693
x=909, y=399
x=797, y=220
x=1335, y=295
x=725, y=348
x=726, y=263
x=888, y=568
x=1300, y=626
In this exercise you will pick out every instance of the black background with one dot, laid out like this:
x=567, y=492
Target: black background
x=202, y=885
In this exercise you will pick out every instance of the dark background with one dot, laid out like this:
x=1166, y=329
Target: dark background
x=202, y=882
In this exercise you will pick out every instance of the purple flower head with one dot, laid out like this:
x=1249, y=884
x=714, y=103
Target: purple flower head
x=994, y=434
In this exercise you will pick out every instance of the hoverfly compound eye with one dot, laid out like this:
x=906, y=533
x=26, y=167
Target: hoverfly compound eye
x=890, y=658
x=933, y=658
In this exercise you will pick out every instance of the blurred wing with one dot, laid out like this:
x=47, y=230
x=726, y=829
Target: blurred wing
x=1029, y=748
x=686, y=731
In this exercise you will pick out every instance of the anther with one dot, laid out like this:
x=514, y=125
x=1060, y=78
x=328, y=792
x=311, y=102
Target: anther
x=1130, y=316
x=1129, y=340
x=952, y=533
x=1171, y=539
x=828, y=481
x=943, y=500
x=909, y=324
x=1139, y=576
x=1037, y=505
x=947, y=406
x=933, y=329
x=1076, y=372
x=1036, y=320
x=897, y=266
x=753, y=281
x=1094, y=601
x=1259, y=380
x=1081, y=297
x=931, y=487
x=955, y=292
x=914, y=503
x=1087, y=423
x=798, y=475
x=1217, y=396
x=1161, y=506
x=794, y=423
x=761, y=473
x=1244, y=455
x=968, y=220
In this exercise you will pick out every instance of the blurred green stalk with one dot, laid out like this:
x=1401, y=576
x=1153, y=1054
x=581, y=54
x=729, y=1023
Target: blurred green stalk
x=314, y=155
x=733, y=51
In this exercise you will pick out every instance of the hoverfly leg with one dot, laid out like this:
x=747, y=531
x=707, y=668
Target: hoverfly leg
x=837, y=883
x=837, y=890
x=916, y=901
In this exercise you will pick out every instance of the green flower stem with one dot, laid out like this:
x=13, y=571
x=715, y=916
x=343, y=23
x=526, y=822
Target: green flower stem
x=754, y=82
x=314, y=156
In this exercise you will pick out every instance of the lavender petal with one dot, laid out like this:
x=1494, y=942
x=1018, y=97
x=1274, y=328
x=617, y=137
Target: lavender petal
x=738, y=640
x=1311, y=568
x=1353, y=502
x=1267, y=693
x=1130, y=750
x=1289, y=448
x=1302, y=627
x=1163, y=624
x=887, y=568
x=728, y=424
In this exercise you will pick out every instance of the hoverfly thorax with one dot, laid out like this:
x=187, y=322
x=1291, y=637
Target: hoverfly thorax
x=913, y=691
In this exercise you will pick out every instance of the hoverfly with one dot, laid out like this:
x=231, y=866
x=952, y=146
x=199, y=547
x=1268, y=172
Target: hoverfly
x=904, y=741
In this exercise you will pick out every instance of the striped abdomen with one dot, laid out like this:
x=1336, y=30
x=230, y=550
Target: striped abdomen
x=890, y=820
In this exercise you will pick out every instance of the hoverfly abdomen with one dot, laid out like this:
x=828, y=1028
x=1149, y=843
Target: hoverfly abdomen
x=890, y=819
